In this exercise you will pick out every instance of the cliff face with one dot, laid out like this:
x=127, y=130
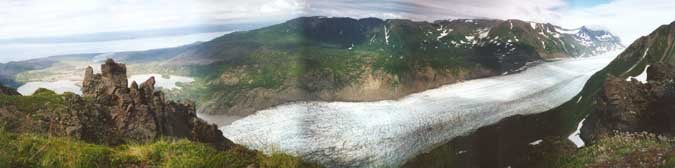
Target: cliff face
x=631, y=106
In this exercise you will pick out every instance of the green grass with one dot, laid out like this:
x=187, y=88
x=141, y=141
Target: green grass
x=623, y=150
x=42, y=98
x=29, y=150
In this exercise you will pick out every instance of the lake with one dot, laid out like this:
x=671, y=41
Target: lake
x=161, y=81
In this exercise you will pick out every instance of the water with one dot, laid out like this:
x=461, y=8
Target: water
x=58, y=86
x=387, y=133
x=165, y=82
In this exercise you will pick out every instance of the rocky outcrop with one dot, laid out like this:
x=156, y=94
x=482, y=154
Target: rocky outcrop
x=631, y=106
x=134, y=112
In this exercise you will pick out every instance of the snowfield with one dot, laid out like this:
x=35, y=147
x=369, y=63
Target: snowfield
x=387, y=133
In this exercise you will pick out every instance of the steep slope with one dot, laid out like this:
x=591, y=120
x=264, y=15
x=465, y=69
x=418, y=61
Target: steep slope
x=319, y=58
x=510, y=142
x=631, y=122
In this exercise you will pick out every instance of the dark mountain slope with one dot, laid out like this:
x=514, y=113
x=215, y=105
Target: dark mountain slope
x=509, y=142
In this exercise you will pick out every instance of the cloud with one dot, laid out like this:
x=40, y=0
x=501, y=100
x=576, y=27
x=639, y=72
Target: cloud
x=629, y=19
x=25, y=18
x=536, y=10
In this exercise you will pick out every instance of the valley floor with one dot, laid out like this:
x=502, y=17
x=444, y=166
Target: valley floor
x=390, y=132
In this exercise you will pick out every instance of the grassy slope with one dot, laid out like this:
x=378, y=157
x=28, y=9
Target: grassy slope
x=30, y=147
x=30, y=150
x=622, y=150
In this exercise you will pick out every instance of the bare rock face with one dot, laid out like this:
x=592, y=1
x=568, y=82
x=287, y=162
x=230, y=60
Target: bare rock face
x=631, y=106
x=137, y=113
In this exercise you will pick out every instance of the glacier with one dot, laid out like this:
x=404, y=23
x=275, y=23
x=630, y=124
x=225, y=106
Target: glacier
x=389, y=132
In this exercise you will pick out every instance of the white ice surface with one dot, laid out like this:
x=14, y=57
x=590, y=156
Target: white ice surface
x=387, y=133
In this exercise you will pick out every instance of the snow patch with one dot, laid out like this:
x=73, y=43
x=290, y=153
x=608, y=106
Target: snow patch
x=575, y=136
x=567, y=31
x=533, y=25
x=444, y=33
x=639, y=61
x=483, y=33
x=372, y=39
x=543, y=44
x=642, y=77
x=537, y=142
x=386, y=35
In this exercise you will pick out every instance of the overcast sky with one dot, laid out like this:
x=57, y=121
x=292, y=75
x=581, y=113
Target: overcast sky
x=30, y=18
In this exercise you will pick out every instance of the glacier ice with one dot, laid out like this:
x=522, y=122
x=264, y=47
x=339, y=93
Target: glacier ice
x=389, y=132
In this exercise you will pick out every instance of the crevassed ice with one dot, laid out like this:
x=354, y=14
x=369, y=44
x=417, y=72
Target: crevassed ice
x=387, y=133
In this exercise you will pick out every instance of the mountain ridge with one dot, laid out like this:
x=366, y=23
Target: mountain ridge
x=345, y=59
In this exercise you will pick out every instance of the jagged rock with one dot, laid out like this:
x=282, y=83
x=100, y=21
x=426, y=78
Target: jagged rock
x=660, y=72
x=631, y=106
x=117, y=112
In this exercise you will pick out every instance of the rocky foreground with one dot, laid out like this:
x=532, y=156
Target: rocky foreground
x=632, y=125
x=112, y=112
x=115, y=125
x=633, y=106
